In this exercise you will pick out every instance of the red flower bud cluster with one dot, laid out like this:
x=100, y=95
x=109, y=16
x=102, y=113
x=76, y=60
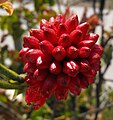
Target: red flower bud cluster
x=60, y=57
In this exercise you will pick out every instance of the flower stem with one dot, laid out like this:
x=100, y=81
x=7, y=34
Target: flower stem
x=6, y=85
x=10, y=74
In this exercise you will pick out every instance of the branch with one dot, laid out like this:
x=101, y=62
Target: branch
x=76, y=2
x=111, y=37
x=108, y=80
x=58, y=5
x=9, y=112
x=10, y=74
x=107, y=66
x=88, y=112
x=94, y=6
x=96, y=110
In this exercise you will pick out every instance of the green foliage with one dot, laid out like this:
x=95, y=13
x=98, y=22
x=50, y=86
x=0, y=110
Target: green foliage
x=107, y=114
x=40, y=5
x=108, y=53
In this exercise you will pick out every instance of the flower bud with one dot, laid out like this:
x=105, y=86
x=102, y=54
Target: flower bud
x=84, y=66
x=46, y=47
x=84, y=52
x=72, y=23
x=89, y=73
x=37, y=33
x=76, y=37
x=49, y=86
x=84, y=27
x=96, y=65
x=33, y=54
x=86, y=43
x=76, y=81
x=30, y=67
x=71, y=68
x=59, y=19
x=92, y=36
x=94, y=57
x=22, y=54
x=64, y=40
x=73, y=86
x=43, y=62
x=31, y=42
x=62, y=29
x=90, y=80
x=50, y=35
x=40, y=75
x=97, y=49
x=31, y=81
x=59, y=53
x=83, y=81
x=55, y=67
x=47, y=24
x=72, y=52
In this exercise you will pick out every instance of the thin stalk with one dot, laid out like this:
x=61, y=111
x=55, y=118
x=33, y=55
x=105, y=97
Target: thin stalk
x=6, y=85
x=10, y=74
x=99, y=84
x=94, y=6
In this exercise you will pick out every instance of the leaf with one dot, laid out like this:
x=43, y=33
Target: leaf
x=93, y=21
x=7, y=6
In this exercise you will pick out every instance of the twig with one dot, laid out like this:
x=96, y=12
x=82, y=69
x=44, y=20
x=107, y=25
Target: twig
x=58, y=5
x=106, y=68
x=108, y=80
x=54, y=109
x=5, y=109
x=90, y=111
x=96, y=110
x=76, y=2
x=111, y=37
x=99, y=84
x=94, y=6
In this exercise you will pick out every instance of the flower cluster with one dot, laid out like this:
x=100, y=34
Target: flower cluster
x=60, y=57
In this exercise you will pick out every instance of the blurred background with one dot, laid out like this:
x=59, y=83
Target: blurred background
x=94, y=103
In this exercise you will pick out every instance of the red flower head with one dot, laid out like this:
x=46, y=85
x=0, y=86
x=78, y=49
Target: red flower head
x=59, y=57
